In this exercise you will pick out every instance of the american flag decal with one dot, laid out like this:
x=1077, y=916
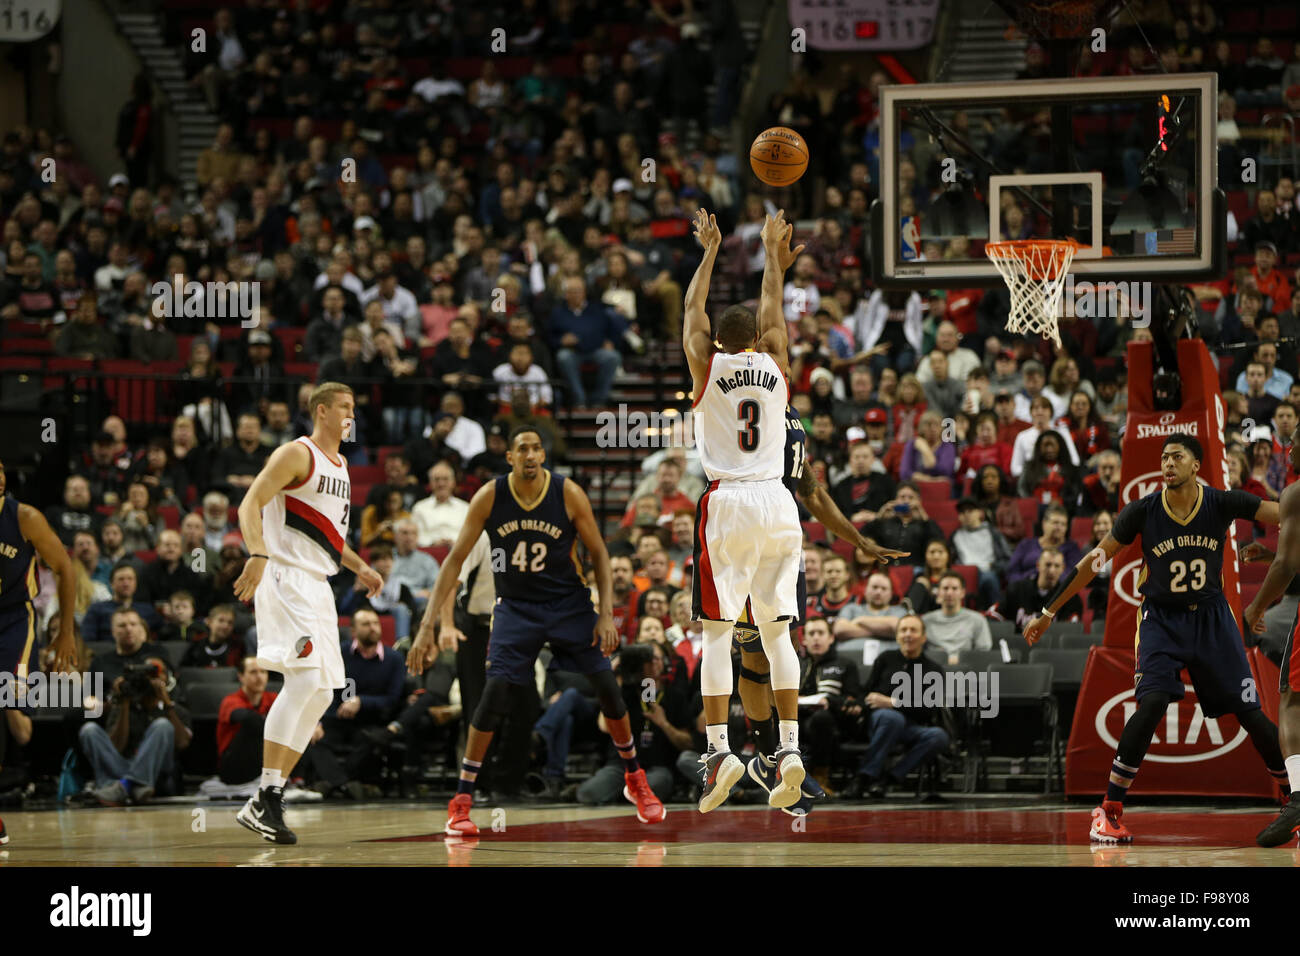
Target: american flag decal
x=1176, y=242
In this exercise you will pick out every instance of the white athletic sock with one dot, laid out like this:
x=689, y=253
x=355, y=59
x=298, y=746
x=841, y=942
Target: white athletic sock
x=718, y=738
x=788, y=734
x=272, y=778
x=1293, y=772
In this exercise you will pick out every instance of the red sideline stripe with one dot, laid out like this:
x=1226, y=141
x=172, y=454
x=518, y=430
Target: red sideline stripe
x=318, y=520
x=708, y=590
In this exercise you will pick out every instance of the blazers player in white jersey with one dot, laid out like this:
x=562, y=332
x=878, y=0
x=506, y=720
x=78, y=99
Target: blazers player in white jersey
x=294, y=519
x=748, y=537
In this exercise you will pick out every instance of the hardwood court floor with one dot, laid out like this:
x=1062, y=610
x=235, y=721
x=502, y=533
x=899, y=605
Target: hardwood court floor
x=409, y=834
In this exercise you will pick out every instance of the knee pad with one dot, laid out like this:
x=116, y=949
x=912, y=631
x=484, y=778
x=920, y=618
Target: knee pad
x=493, y=705
x=755, y=677
x=608, y=695
x=781, y=658
x=715, y=659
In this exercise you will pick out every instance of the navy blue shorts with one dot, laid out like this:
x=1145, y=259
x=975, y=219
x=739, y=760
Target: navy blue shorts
x=746, y=631
x=19, y=656
x=520, y=629
x=1206, y=640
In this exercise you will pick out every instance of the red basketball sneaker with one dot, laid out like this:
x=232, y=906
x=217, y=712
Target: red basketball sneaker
x=4, y=837
x=1106, y=825
x=649, y=809
x=458, y=821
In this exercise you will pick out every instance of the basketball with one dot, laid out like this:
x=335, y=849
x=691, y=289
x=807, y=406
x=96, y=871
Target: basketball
x=778, y=156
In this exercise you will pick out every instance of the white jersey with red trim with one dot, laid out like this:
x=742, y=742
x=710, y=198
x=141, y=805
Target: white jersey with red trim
x=306, y=524
x=740, y=417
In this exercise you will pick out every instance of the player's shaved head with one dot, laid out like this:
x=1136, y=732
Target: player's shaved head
x=1192, y=446
x=737, y=328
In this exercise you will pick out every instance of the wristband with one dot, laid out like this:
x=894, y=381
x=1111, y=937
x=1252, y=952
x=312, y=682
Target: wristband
x=1047, y=613
x=262, y=556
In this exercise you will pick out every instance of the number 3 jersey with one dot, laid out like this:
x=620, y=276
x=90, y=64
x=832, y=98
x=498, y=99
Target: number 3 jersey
x=533, y=544
x=306, y=524
x=740, y=426
x=1183, y=558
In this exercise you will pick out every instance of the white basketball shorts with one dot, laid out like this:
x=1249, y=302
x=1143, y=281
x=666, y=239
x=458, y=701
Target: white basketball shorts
x=748, y=543
x=297, y=624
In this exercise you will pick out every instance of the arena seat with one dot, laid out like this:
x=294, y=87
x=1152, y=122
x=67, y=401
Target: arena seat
x=1029, y=513
x=195, y=676
x=814, y=531
x=901, y=575
x=971, y=575
x=1081, y=531
x=1079, y=642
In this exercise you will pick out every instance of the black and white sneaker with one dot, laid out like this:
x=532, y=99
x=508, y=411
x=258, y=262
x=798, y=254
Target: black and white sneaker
x=1282, y=830
x=264, y=814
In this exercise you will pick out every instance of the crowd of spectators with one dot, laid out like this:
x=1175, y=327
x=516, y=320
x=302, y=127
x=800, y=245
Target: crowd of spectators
x=499, y=256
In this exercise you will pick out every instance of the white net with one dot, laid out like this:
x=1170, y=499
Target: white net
x=1034, y=271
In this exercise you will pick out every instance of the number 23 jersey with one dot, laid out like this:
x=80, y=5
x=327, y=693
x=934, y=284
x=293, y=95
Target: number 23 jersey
x=1183, y=559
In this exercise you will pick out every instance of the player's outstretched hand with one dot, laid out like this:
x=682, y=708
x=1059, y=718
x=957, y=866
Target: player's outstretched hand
x=707, y=232
x=373, y=581
x=248, y=580
x=1255, y=551
x=881, y=556
x=1036, y=629
x=423, y=652
x=606, y=634
x=451, y=638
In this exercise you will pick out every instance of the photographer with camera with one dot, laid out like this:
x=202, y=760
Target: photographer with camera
x=902, y=524
x=135, y=748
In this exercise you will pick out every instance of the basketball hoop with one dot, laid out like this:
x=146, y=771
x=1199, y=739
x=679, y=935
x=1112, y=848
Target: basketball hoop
x=1034, y=270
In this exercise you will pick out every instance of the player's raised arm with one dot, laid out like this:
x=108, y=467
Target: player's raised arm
x=288, y=464
x=579, y=509
x=424, y=650
x=773, y=336
x=1286, y=563
x=822, y=506
x=1080, y=576
x=697, y=334
x=33, y=526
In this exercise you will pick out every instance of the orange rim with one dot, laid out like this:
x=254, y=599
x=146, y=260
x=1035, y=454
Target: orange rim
x=1043, y=258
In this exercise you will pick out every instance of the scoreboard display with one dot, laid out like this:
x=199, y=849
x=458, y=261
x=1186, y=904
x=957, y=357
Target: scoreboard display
x=865, y=24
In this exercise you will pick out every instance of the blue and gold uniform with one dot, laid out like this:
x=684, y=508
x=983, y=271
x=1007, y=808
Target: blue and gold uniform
x=796, y=451
x=1184, y=620
x=18, y=587
x=541, y=595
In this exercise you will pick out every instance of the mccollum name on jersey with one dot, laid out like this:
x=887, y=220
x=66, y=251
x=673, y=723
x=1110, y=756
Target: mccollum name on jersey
x=749, y=376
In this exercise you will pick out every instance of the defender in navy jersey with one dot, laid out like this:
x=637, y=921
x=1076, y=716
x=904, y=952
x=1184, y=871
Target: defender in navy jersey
x=533, y=519
x=1184, y=621
x=24, y=534
x=755, y=673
